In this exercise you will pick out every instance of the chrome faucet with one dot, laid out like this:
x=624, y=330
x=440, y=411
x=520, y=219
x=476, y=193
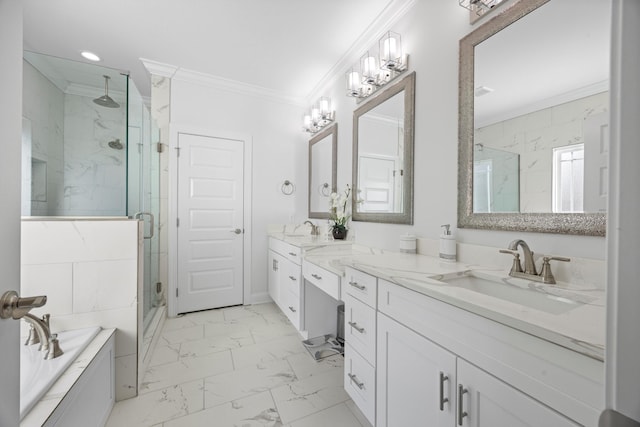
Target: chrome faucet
x=314, y=228
x=12, y=306
x=530, y=271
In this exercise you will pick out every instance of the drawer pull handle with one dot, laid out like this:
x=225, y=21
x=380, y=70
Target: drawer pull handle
x=315, y=276
x=355, y=326
x=292, y=309
x=293, y=254
x=461, y=413
x=443, y=399
x=292, y=278
x=354, y=379
x=357, y=286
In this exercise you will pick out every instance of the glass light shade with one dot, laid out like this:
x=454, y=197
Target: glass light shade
x=353, y=83
x=390, y=51
x=315, y=114
x=369, y=67
x=307, y=121
x=325, y=107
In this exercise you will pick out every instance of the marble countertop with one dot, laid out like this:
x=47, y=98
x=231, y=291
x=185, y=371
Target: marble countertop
x=580, y=328
x=48, y=404
x=308, y=242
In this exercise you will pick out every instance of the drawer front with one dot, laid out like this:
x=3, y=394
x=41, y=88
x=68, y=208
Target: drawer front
x=360, y=328
x=292, y=309
x=361, y=285
x=292, y=278
x=360, y=382
x=327, y=281
x=288, y=251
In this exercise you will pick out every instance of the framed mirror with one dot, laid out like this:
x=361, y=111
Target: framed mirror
x=323, y=159
x=533, y=119
x=383, y=132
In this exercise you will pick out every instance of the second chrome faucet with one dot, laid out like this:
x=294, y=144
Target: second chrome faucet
x=530, y=272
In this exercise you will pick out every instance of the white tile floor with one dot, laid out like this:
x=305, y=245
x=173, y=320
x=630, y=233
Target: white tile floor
x=238, y=366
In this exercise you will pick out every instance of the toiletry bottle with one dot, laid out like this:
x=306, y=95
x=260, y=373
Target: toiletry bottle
x=447, y=244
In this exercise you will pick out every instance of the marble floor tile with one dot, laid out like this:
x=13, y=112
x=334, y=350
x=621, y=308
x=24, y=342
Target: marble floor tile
x=177, y=336
x=335, y=416
x=253, y=411
x=215, y=344
x=185, y=369
x=357, y=413
x=256, y=354
x=246, y=382
x=165, y=354
x=305, y=366
x=305, y=397
x=159, y=406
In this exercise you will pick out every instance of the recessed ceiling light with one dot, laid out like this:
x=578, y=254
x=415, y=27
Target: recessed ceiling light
x=90, y=55
x=482, y=90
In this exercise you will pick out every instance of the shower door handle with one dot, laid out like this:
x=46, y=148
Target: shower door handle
x=139, y=215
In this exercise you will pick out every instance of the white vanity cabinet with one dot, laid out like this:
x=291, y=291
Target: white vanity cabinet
x=440, y=363
x=285, y=278
x=360, y=340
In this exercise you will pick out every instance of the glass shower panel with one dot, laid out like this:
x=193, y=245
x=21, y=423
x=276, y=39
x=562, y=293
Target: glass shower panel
x=143, y=192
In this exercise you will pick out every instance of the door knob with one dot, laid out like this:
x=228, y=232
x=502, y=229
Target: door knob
x=237, y=230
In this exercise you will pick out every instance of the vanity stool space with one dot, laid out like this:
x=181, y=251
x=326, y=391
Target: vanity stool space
x=411, y=358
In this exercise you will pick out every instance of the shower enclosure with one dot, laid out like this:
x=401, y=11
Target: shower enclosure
x=89, y=150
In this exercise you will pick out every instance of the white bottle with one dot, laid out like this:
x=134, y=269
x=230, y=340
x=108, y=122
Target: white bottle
x=447, y=244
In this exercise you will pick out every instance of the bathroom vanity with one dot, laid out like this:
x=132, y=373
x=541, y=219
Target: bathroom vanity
x=463, y=345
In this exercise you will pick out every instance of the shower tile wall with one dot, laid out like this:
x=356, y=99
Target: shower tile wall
x=94, y=173
x=534, y=136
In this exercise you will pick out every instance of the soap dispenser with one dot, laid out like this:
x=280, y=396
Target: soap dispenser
x=447, y=244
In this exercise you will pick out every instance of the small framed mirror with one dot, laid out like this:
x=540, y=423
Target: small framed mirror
x=383, y=133
x=323, y=159
x=533, y=119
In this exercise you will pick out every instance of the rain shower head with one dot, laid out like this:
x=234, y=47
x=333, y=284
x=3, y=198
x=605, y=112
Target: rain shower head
x=105, y=100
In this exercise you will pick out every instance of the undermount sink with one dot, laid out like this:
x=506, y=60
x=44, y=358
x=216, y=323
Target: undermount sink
x=524, y=293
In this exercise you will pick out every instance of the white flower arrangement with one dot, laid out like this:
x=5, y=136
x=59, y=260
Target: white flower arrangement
x=338, y=213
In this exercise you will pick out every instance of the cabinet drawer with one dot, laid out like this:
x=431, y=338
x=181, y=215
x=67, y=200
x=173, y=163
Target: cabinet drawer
x=288, y=251
x=292, y=278
x=292, y=309
x=360, y=382
x=360, y=328
x=361, y=285
x=325, y=280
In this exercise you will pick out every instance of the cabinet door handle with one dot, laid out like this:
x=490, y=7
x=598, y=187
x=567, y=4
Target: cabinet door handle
x=292, y=278
x=275, y=265
x=354, y=379
x=357, y=286
x=355, y=326
x=292, y=309
x=443, y=399
x=315, y=276
x=461, y=412
x=293, y=254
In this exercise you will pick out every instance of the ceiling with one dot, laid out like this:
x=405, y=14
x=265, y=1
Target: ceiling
x=285, y=46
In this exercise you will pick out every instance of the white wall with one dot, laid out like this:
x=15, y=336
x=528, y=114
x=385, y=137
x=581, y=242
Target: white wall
x=10, y=143
x=431, y=32
x=89, y=271
x=275, y=128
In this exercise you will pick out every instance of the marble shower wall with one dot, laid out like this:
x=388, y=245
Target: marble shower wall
x=533, y=136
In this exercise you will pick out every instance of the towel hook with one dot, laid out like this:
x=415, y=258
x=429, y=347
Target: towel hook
x=287, y=187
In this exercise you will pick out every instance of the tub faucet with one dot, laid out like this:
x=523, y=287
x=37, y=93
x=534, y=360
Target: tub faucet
x=314, y=228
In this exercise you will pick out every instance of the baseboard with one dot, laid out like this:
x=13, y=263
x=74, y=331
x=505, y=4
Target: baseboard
x=260, y=298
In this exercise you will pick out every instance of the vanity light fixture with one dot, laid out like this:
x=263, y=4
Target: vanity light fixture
x=321, y=115
x=376, y=70
x=90, y=56
x=479, y=7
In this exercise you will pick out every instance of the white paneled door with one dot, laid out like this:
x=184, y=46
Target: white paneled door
x=210, y=222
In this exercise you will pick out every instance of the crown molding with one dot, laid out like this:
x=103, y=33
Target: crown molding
x=159, y=68
x=395, y=10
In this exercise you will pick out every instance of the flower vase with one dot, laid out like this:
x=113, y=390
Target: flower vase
x=339, y=233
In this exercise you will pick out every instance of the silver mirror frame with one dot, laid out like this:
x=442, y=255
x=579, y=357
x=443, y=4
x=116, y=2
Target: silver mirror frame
x=408, y=85
x=333, y=131
x=586, y=224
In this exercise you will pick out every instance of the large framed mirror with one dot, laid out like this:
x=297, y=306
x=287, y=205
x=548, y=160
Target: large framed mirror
x=383, y=133
x=533, y=119
x=323, y=159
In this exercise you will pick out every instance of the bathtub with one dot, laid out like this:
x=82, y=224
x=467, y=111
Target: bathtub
x=38, y=375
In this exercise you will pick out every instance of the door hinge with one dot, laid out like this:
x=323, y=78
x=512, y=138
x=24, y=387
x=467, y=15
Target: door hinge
x=159, y=147
x=176, y=292
x=178, y=151
x=177, y=222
